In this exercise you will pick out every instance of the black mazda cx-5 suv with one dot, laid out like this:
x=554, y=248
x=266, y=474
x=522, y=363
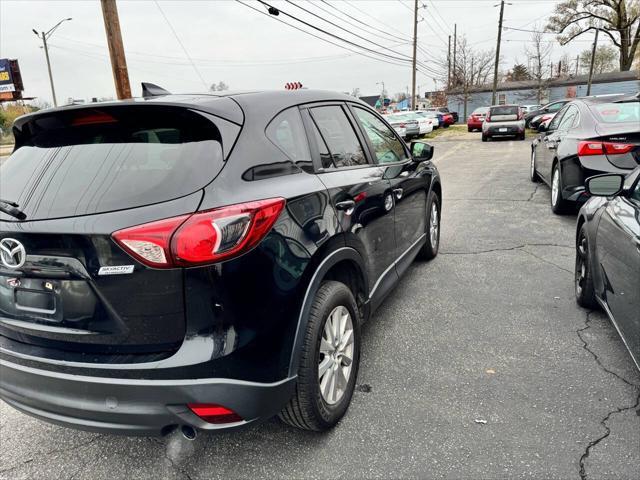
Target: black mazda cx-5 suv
x=202, y=261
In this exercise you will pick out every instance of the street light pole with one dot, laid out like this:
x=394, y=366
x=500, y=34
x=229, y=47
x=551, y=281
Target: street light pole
x=44, y=36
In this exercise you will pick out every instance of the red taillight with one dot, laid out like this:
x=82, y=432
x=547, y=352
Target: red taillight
x=201, y=238
x=91, y=118
x=212, y=413
x=601, y=148
x=402, y=125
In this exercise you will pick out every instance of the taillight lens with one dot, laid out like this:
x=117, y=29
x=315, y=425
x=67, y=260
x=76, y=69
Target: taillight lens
x=201, y=238
x=402, y=125
x=212, y=413
x=600, y=148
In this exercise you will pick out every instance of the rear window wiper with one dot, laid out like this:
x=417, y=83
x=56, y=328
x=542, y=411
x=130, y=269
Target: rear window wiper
x=11, y=208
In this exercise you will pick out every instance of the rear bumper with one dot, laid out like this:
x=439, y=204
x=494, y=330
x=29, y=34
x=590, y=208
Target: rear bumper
x=133, y=406
x=503, y=130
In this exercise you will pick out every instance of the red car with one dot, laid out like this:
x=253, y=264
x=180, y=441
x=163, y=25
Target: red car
x=448, y=119
x=474, y=122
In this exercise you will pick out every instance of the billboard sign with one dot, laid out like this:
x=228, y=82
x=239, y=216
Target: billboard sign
x=6, y=77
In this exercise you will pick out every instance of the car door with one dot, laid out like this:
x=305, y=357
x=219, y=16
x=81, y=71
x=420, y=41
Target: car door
x=359, y=191
x=548, y=146
x=618, y=252
x=409, y=182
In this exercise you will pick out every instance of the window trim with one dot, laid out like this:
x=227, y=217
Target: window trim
x=573, y=124
x=266, y=128
x=407, y=151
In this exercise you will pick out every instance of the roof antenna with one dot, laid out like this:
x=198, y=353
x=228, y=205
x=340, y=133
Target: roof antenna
x=152, y=90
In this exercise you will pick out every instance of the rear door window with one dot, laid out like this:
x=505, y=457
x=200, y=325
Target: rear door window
x=338, y=134
x=569, y=118
x=90, y=161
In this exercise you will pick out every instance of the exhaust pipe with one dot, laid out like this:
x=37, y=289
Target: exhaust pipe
x=189, y=432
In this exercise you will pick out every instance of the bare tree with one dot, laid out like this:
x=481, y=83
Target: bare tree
x=472, y=68
x=619, y=19
x=605, y=60
x=539, y=52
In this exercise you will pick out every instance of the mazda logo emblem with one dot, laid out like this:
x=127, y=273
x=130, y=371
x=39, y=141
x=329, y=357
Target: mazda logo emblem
x=12, y=253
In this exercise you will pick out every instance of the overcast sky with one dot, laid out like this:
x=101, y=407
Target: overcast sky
x=248, y=50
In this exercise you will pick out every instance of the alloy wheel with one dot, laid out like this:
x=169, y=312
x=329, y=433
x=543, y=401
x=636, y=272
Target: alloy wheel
x=434, y=225
x=581, y=263
x=555, y=187
x=336, y=355
x=533, y=163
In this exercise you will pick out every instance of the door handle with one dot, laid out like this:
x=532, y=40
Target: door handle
x=398, y=191
x=346, y=206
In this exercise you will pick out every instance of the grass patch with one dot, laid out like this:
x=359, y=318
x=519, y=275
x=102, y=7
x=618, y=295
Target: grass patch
x=452, y=131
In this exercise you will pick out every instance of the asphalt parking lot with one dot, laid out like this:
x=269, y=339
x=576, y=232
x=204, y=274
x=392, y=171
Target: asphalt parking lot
x=479, y=365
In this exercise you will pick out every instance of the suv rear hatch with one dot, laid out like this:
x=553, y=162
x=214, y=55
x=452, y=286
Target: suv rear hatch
x=78, y=176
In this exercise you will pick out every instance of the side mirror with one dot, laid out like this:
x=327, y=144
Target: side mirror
x=421, y=151
x=542, y=128
x=607, y=185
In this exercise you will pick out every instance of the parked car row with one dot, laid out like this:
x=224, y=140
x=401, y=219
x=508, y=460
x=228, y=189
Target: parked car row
x=413, y=124
x=590, y=157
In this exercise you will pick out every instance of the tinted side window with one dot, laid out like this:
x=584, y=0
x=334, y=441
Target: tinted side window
x=554, y=107
x=568, y=118
x=386, y=145
x=287, y=133
x=336, y=130
x=553, y=125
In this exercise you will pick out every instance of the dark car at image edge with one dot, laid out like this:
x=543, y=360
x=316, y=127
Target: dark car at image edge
x=607, y=268
x=589, y=136
x=202, y=261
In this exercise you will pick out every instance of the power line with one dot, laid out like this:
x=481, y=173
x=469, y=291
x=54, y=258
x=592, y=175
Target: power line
x=345, y=30
x=181, y=45
x=379, y=30
x=352, y=5
x=331, y=34
x=399, y=62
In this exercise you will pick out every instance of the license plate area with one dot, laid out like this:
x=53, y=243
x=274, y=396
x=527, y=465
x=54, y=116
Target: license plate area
x=503, y=129
x=35, y=301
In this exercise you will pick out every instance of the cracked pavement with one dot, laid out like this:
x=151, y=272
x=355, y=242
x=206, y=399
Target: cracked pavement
x=489, y=331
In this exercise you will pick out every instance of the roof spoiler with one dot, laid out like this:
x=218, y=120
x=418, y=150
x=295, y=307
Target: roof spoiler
x=152, y=90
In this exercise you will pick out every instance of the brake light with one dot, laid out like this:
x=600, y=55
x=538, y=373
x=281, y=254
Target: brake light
x=402, y=125
x=601, y=148
x=91, y=118
x=201, y=238
x=212, y=413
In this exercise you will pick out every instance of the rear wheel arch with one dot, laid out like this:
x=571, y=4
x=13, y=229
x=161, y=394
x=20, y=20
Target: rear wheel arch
x=343, y=264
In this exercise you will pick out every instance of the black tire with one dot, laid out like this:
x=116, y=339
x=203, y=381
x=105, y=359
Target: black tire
x=446, y=125
x=469, y=129
x=307, y=409
x=585, y=291
x=533, y=173
x=430, y=249
x=485, y=137
x=560, y=206
x=521, y=136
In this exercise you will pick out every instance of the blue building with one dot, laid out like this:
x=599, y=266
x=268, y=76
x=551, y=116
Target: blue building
x=526, y=92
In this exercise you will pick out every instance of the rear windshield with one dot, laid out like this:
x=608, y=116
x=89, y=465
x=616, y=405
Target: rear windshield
x=504, y=110
x=481, y=110
x=618, y=112
x=90, y=161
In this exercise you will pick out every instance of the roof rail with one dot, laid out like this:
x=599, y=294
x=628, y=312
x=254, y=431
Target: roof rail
x=152, y=90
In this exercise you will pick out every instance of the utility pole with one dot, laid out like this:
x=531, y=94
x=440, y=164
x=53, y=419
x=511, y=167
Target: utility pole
x=449, y=65
x=495, y=67
x=454, y=74
x=415, y=51
x=44, y=36
x=593, y=61
x=116, y=49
